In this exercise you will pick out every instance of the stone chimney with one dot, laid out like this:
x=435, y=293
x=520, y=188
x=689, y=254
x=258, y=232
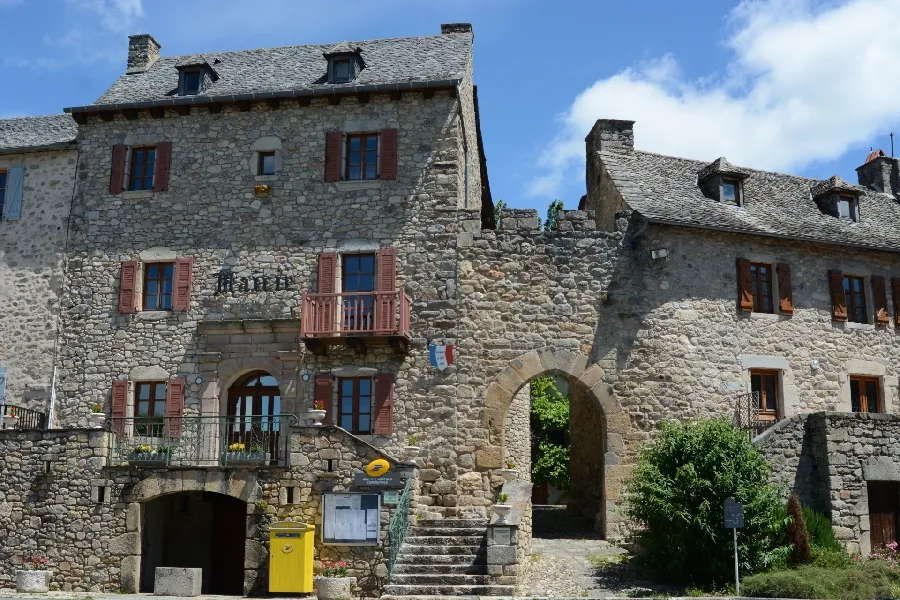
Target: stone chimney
x=456, y=28
x=880, y=172
x=143, y=52
x=611, y=135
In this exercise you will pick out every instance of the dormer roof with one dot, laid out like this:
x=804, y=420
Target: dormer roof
x=721, y=166
x=342, y=48
x=833, y=185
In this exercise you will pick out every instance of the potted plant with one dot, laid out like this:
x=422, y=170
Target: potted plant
x=97, y=418
x=240, y=454
x=33, y=577
x=510, y=473
x=501, y=508
x=10, y=420
x=411, y=450
x=318, y=411
x=332, y=582
x=144, y=455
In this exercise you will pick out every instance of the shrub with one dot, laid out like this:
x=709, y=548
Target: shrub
x=863, y=581
x=677, y=492
x=821, y=533
x=796, y=532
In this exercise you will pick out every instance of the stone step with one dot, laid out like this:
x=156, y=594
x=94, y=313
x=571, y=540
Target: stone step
x=417, y=568
x=451, y=523
x=470, y=550
x=442, y=579
x=431, y=531
x=441, y=559
x=442, y=540
x=390, y=597
x=449, y=590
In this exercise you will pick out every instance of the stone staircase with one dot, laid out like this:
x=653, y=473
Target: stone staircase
x=444, y=557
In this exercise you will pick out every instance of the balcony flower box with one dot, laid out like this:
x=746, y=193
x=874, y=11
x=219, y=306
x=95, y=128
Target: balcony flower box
x=145, y=456
x=10, y=421
x=245, y=458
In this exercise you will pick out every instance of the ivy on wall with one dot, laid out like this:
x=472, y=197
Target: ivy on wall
x=549, y=434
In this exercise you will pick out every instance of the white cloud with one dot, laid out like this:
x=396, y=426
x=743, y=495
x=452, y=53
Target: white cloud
x=804, y=83
x=116, y=15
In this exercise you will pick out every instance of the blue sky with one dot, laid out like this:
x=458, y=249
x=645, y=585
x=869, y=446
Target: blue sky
x=789, y=85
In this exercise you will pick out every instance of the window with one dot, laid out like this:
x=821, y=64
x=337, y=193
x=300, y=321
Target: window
x=864, y=394
x=761, y=285
x=355, y=404
x=266, y=163
x=358, y=277
x=158, y=286
x=765, y=385
x=3, y=177
x=731, y=193
x=191, y=82
x=855, y=292
x=362, y=156
x=149, y=407
x=847, y=208
x=143, y=162
x=340, y=70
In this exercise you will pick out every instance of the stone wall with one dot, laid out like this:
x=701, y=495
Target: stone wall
x=31, y=266
x=518, y=433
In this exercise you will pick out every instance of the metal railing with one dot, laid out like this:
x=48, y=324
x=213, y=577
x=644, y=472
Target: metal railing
x=355, y=313
x=747, y=415
x=399, y=526
x=16, y=417
x=252, y=440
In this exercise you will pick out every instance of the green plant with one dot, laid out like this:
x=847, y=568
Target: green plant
x=411, y=440
x=862, y=581
x=96, y=408
x=261, y=504
x=498, y=212
x=35, y=563
x=552, y=222
x=510, y=465
x=142, y=449
x=676, y=494
x=550, y=433
x=333, y=569
x=164, y=450
x=256, y=448
x=502, y=498
x=236, y=447
x=821, y=532
x=796, y=532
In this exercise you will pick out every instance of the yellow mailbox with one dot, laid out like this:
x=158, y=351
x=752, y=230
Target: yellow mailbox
x=291, y=557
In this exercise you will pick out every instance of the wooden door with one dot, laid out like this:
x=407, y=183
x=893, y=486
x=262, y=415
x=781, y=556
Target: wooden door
x=884, y=497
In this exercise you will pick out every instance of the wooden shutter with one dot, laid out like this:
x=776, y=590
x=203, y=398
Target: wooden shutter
x=174, y=406
x=386, y=281
x=184, y=277
x=883, y=512
x=163, y=161
x=322, y=392
x=334, y=141
x=384, y=405
x=895, y=296
x=117, y=404
x=117, y=173
x=785, y=294
x=387, y=168
x=745, y=286
x=128, y=287
x=838, y=298
x=15, y=180
x=2, y=386
x=879, y=300
x=326, y=306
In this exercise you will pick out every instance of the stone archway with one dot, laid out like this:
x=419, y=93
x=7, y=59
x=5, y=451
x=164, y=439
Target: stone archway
x=503, y=388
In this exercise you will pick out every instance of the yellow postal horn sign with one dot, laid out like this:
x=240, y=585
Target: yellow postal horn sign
x=377, y=467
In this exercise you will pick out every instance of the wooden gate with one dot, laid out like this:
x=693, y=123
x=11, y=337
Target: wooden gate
x=884, y=498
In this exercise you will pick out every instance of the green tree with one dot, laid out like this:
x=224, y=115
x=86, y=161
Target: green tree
x=498, y=212
x=676, y=496
x=552, y=222
x=549, y=433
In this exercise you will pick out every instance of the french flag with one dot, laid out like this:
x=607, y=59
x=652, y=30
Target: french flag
x=440, y=356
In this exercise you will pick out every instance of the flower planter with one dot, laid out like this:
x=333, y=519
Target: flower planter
x=148, y=459
x=334, y=588
x=510, y=474
x=317, y=415
x=411, y=451
x=33, y=582
x=244, y=458
x=10, y=421
x=502, y=511
x=97, y=420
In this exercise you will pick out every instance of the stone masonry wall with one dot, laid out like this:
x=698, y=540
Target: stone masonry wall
x=31, y=267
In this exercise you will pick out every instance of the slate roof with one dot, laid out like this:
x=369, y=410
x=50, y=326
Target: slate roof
x=665, y=189
x=293, y=68
x=29, y=133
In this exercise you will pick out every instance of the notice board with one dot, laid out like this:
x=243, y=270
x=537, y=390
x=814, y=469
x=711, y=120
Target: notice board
x=351, y=519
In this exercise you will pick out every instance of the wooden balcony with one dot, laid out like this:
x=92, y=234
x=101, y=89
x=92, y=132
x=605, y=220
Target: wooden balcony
x=357, y=319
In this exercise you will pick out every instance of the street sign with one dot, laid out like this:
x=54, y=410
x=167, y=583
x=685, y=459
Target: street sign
x=734, y=514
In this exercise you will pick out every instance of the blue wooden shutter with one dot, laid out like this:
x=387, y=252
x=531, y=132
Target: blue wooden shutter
x=2, y=386
x=12, y=210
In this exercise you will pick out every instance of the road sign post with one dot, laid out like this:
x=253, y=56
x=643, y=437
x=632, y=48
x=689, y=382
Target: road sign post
x=734, y=520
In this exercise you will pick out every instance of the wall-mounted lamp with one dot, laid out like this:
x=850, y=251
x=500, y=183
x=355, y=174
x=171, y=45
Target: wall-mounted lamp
x=659, y=254
x=814, y=364
x=198, y=380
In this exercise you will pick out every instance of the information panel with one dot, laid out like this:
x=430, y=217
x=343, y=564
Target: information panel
x=351, y=519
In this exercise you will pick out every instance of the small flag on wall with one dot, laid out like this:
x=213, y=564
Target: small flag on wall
x=440, y=356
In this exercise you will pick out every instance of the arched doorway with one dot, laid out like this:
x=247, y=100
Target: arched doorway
x=252, y=411
x=195, y=529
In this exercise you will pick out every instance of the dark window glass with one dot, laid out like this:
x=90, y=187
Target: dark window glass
x=730, y=191
x=266, y=163
x=158, y=286
x=2, y=191
x=761, y=285
x=355, y=405
x=192, y=81
x=846, y=206
x=765, y=385
x=362, y=156
x=864, y=394
x=340, y=70
x=143, y=163
x=150, y=408
x=855, y=292
x=358, y=277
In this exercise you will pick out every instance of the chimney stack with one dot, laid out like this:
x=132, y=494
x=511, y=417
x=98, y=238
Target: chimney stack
x=880, y=173
x=143, y=52
x=456, y=28
x=611, y=135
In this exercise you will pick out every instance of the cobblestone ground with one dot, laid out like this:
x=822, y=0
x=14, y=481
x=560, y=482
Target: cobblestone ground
x=569, y=560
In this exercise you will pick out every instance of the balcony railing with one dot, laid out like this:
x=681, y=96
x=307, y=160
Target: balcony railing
x=748, y=416
x=371, y=314
x=202, y=441
x=16, y=417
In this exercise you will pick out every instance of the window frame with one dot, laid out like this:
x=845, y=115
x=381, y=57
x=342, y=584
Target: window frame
x=160, y=279
x=355, y=412
x=334, y=62
x=864, y=400
x=755, y=286
x=260, y=170
x=767, y=413
x=148, y=427
x=850, y=298
x=362, y=136
x=132, y=163
x=854, y=207
x=737, y=191
x=184, y=75
x=4, y=189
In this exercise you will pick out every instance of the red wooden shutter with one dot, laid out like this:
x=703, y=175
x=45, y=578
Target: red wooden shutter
x=118, y=403
x=184, y=277
x=385, y=287
x=326, y=305
x=785, y=295
x=838, y=298
x=117, y=173
x=384, y=405
x=163, y=160
x=388, y=157
x=745, y=286
x=334, y=142
x=895, y=295
x=879, y=299
x=128, y=287
x=322, y=393
x=174, y=406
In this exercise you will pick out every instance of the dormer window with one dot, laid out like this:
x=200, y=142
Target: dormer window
x=344, y=63
x=847, y=208
x=195, y=75
x=731, y=191
x=723, y=182
x=191, y=82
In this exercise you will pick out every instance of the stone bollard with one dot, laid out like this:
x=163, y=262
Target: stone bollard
x=334, y=588
x=32, y=581
x=177, y=581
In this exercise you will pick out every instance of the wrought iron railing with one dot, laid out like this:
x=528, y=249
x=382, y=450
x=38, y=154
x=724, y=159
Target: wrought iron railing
x=747, y=415
x=16, y=417
x=356, y=313
x=399, y=525
x=253, y=440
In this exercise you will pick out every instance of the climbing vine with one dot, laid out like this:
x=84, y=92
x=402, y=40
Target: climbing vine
x=549, y=433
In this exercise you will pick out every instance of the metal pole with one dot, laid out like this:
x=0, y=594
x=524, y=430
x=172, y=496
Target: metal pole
x=737, y=580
